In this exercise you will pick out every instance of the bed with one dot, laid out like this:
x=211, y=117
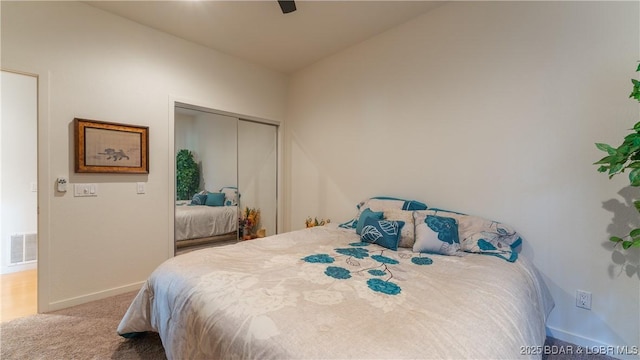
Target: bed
x=201, y=224
x=208, y=218
x=323, y=292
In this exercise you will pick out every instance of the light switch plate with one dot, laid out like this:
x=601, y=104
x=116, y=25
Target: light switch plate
x=141, y=188
x=85, y=190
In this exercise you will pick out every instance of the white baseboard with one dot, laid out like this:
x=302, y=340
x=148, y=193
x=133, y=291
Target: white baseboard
x=594, y=346
x=79, y=300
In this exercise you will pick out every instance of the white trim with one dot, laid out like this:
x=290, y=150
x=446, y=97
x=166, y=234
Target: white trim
x=171, y=246
x=591, y=346
x=99, y=295
x=44, y=192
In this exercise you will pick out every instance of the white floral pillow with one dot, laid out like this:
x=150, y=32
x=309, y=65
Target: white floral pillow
x=436, y=234
x=230, y=195
x=484, y=236
x=407, y=234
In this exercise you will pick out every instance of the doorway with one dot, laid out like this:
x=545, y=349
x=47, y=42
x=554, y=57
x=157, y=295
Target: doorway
x=18, y=193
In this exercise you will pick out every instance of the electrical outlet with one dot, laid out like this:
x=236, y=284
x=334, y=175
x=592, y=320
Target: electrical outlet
x=583, y=299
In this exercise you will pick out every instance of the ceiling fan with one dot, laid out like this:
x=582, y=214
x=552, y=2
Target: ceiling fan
x=287, y=6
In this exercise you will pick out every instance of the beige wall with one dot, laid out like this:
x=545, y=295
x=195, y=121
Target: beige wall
x=489, y=108
x=98, y=66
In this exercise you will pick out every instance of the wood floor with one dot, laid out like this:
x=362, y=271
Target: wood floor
x=19, y=294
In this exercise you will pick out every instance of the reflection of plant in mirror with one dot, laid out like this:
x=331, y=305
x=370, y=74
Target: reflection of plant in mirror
x=249, y=220
x=187, y=175
x=625, y=156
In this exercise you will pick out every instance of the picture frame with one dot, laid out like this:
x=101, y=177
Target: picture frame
x=106, y=147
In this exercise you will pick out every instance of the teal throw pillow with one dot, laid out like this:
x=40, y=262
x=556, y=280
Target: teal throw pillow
x=385, y=233
x=367, y=213
x=215, y=199
x=199, y=199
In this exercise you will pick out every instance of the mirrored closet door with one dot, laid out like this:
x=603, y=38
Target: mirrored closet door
x=226, y=178
x=257, y=176
x=206, y=211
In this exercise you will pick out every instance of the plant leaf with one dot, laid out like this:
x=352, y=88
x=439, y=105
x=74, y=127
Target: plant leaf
x=634, y=177
x=626, y=244
x=637, y=205
x=607, y=148
x=615, y=169
x=615, y=239
x=604, y=160
x=634, y=233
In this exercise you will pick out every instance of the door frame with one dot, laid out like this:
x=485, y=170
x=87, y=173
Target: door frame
x=43, y=192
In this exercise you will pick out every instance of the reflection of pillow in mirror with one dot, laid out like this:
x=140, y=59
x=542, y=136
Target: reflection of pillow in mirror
x=215, y=199
x=199, y=199
x=230, y=195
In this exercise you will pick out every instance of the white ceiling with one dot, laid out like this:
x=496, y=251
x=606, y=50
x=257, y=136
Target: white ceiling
x=258, y=32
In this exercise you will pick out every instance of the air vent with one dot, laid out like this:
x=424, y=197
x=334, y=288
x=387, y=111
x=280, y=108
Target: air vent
x=24, y=248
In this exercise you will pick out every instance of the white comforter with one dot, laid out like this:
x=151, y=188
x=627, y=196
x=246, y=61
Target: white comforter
x=199, y=221
x=298, y=296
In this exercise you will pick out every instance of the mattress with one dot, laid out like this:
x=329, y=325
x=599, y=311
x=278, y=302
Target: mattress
x=200, y=221
x=321, y=293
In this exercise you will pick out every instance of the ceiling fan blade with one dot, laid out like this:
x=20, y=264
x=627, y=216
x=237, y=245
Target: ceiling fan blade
x=287, y=6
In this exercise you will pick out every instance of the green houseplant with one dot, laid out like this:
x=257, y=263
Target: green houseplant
x=626, y=156
x=187, y=175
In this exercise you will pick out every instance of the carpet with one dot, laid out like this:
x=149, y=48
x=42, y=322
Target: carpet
x=85, y=331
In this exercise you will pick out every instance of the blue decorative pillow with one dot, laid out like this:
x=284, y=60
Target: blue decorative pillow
x=214, y=199
x=436, y=234
x=230, y=195
x=199, y=199
x=367, y=213
x=385, y=233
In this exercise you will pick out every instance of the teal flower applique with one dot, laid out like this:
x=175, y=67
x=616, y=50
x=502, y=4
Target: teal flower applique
x=385, y=287
x=384, y=259
x=485, y=245
x=421, y=260
x=358, y=253
x=377, y=272
x=337, y=272
x=360, y=244
x=445, y=227
x=318, y=258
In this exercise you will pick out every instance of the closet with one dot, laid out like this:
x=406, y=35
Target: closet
x=235, y=156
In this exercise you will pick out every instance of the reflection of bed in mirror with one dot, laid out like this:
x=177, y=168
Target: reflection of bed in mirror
x=201, y=225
